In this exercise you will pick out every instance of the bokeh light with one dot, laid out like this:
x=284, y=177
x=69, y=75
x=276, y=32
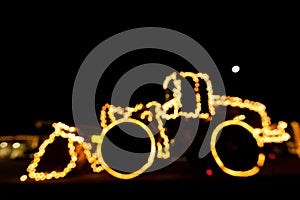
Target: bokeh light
x=235, y=69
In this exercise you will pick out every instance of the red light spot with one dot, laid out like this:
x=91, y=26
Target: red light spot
x=209, y=172
x=272, y=156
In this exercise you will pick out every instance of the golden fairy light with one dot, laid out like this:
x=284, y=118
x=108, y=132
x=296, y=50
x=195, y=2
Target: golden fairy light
x=64, y=131
x=111, y=116
x=294, y=146
x=217, y=130
x=99, y=140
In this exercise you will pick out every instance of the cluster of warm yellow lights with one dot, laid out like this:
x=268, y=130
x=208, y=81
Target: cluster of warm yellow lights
x=111, y=116
x=67, y=132
x=294, y=146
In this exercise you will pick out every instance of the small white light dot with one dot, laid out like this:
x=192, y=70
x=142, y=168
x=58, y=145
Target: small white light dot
x=16, y=145
x=235, y=69
x=3, y=144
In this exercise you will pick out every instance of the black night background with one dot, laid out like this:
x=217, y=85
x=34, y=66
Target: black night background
x=41, y=55
x=42, y=51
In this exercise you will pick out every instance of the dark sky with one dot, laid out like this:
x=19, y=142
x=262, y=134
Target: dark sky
x=42, y=52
